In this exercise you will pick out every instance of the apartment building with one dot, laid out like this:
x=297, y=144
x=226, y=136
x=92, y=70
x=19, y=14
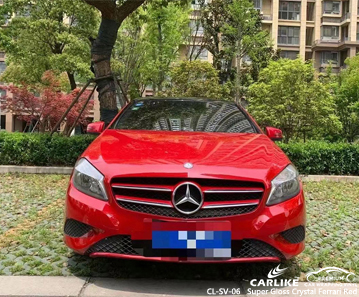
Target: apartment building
x=325, y=31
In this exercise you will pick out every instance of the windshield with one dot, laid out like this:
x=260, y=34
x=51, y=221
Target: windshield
x=184, y=115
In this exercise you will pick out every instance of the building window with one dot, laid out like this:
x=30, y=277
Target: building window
x=196, y=50
x=289, y=10
x=292, y=55
x=331, y=7
x=196, y=5
x=2, y=67
x=246, y=60
x=329, y=57
x=330, y=32
x=196, y=27
x=2, y=122
x=6, y=19
x=288, y=35
x=2, y=117
x=2, y=55
x=257, y=4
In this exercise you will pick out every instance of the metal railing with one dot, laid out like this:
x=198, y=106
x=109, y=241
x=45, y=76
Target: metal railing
x=333, y=41
x=266, y=17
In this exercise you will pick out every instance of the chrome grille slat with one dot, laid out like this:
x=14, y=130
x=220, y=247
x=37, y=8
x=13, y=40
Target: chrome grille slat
x=212, y=206
x=142, y=188
x=233, y=191
x=144, y=202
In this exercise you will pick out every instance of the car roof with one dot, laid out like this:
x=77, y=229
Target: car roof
x=198, y=99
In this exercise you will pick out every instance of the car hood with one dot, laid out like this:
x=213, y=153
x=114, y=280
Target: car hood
x=217, y=155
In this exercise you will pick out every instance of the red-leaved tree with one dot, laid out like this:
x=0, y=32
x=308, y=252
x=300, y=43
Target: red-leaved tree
x=45, y=104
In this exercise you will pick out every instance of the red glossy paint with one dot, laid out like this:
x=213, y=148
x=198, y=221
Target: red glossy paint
x=124, y=153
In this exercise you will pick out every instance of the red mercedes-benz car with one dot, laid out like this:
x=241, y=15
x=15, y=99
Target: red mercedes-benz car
x=185, y=180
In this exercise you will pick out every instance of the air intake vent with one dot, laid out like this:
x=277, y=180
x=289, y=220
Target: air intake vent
x=294, y=235
x=75, y=228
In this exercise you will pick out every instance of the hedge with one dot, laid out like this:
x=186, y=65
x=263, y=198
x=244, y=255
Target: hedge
x=42, y=150
x=316, y=157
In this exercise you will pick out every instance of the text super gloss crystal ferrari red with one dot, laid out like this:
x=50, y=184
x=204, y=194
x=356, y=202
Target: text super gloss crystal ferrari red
x=190, y=180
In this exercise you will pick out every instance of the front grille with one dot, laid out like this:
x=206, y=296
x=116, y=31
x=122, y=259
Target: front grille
x=203, y=182
x=172, y=213
x=75, y=228
x=252, y=248
x=159, y=190
x=294, y=235
x=119, y=244
x=247, y=248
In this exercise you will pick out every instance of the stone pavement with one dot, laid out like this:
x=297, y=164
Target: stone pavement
x=57, y=286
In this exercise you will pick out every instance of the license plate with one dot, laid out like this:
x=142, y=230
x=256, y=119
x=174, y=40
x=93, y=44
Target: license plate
x=209, y=240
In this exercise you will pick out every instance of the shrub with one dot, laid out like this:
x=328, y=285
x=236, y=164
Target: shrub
x=317, y=157
x=41, y=149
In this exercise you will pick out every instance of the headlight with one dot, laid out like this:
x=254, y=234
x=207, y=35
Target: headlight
x=285, y=186
x=89, y=180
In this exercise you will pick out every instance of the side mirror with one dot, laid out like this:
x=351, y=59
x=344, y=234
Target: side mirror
x=96, y=128
x=274, y=133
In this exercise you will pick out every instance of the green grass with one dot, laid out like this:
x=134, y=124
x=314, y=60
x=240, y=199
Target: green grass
x=38, y=249
x=23, y=196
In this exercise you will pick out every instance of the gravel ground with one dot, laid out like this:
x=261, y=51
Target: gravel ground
x=31, y=220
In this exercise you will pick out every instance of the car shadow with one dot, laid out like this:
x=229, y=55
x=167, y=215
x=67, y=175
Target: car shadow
x=163, y=278
x=120, y=268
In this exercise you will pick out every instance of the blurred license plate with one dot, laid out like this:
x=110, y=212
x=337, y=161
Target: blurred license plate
x=207, y=240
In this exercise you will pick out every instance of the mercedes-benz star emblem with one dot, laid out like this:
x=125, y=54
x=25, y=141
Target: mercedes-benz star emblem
x=187, y=198
x=188, y=165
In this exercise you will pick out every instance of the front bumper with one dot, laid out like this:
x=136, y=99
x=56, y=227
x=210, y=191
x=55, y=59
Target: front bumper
x=259, y=234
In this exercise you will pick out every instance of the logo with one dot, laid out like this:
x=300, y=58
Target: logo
x=187, y=198
x=340, y=275
x=276, y=272
x=273, y=281
x=188, y=165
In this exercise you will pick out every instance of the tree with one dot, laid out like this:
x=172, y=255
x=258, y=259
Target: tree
x=47, y=35
x=347, y=98
x=290, y=97
x=242, y=36
x=166, y=28
x=130, y=56
x=233, y=30
x=147, y=43
x=196, y=79
x=46, y=108
x=213, y=17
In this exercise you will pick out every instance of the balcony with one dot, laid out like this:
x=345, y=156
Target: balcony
x=266, y=17
x=346, y=16
x=326, y=42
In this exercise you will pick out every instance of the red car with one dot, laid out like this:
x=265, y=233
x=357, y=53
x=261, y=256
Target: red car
x=185, y=180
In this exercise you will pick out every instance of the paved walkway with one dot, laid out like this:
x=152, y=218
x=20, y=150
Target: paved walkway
x=38, y=286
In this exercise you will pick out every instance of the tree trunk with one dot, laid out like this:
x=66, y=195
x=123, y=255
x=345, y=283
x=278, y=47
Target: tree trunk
x=160, y=45
x=112, y=18
x=71, y=77
x=101, y=56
